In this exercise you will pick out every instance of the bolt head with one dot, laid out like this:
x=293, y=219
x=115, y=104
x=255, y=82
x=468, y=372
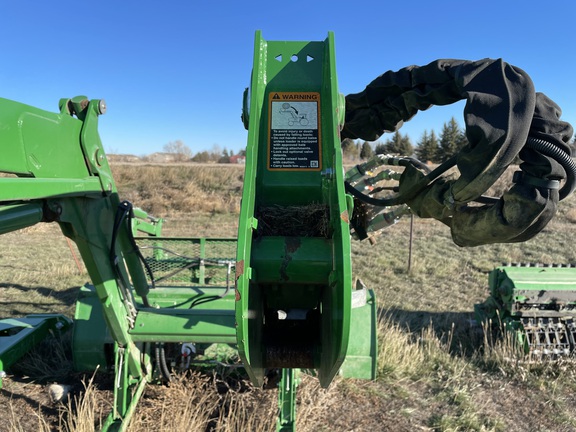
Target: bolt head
x=102, y=106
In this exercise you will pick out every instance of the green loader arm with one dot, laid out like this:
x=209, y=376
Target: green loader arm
x=58, y=172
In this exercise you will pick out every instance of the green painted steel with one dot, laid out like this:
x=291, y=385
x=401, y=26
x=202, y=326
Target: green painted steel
x=536, y=291
x=287, y=387
x=362, y=356
x=28, y=130
x=142, y=222
x=19, y=335
x=282, y=293
x=183, y=261
x=293, y=271
x=537, y=304
x=58, y=164
x=92, y=342
x=14, y=217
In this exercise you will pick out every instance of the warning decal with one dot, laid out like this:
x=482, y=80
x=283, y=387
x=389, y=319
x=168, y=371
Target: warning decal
x=294, y=138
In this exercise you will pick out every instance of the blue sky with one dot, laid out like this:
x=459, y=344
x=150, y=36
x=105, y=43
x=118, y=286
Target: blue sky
x=176, y=70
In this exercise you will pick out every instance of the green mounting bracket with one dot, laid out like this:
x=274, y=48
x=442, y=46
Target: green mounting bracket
x=294, y=271
x=287, y=400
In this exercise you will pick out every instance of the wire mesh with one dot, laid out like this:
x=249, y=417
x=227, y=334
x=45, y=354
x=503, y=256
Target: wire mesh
x=189, y=261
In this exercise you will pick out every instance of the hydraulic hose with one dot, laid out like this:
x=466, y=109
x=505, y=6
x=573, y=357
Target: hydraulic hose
x=123, y=215
x=414, y=190
x=560, y=156
x=161, y=362
x=545, y=147
x=504, y=117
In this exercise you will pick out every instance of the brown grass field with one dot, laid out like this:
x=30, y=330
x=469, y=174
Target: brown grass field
x=437, y=370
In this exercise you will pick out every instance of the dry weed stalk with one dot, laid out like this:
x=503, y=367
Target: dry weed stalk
x=82, y=413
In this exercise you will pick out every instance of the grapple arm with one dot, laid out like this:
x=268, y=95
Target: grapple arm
x=505, y=118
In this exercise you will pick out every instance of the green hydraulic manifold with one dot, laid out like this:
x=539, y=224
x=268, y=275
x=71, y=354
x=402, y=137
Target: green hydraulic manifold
x=294, y=282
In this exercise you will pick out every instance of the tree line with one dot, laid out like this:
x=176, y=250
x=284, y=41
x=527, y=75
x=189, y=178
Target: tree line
x=182, y=153
x=430, y=147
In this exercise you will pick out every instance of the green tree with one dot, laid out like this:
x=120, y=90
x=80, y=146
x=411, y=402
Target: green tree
x=366, y=151
x=450, y=140
x=428, y=148
x=202, y=156
x=349, y=149
x=380, y=148
x=225, y=157
x=399, y=145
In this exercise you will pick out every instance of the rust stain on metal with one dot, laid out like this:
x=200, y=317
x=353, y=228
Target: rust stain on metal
x=237, y=296
x=292, y=244
x=239, y=269
x=344, y=216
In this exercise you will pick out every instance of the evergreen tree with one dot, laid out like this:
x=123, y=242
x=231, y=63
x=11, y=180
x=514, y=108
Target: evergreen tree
x=428, y=148
x=366, y=151
x=380, y=148
x=450, y=140
x=225, y=157
x=349, y=149
x=399, y=145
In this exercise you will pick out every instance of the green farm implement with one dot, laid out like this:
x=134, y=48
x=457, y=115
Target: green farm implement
x=280, y=297
x=537, y=303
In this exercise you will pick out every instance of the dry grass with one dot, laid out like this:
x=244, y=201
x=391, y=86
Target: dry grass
x=82, y=412
x=196, y=402
x=437, y=372
x=170, y=190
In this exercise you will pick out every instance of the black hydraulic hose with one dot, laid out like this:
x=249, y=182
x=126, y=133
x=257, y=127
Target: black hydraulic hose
x=560, y=156
x=161, y=362
x=405, y=161
x=409, y=194
x=538, y=144
x=124, y=210
x=123, y=214
x=207, y=299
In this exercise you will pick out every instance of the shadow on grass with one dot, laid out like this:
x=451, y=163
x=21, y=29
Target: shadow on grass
x=65, y=297
x=465, y=334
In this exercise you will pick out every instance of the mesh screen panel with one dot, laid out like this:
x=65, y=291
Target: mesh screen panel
x=189, y=261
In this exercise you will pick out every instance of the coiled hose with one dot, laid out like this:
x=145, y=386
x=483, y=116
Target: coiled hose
x=544, y=147
x=560, y=156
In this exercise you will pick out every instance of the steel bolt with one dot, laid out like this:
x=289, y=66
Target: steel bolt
x=99, y=156
x=102, y=106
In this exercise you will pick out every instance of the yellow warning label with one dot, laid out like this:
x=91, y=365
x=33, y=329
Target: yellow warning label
x=294, y=131
x=295, y=96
